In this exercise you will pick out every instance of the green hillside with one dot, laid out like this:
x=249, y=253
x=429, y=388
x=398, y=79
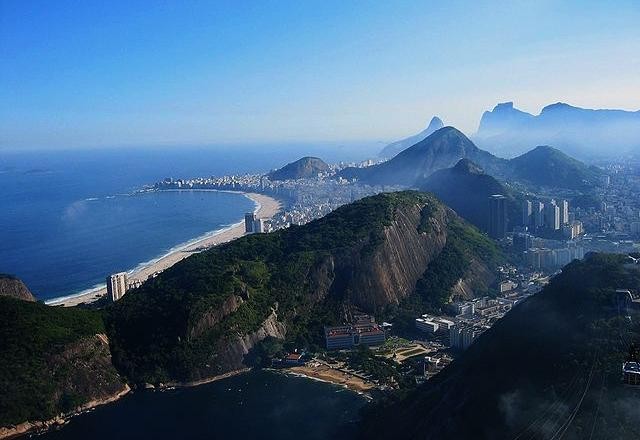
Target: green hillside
x=50, y=360
x=198, y=318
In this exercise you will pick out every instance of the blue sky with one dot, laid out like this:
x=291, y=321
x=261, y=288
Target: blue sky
x=85, y=74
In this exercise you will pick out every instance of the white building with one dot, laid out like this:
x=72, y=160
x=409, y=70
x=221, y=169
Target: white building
x=117, y=285
x=426, y=325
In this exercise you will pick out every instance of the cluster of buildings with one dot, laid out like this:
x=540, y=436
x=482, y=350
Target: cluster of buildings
x=551, y=219
x=471, y=318
x=304, y=199
x=363, y=331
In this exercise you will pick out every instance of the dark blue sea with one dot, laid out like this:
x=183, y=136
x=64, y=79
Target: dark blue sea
x=69, y=218
x=256, y=405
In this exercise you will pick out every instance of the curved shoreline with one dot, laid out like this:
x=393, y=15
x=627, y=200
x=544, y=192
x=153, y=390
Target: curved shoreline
x=266, y=207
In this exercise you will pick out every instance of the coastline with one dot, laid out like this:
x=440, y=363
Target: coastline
x=38, y=426
x=266, y=207
x=323, y=373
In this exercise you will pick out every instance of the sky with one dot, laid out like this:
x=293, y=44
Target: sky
x=82, y=74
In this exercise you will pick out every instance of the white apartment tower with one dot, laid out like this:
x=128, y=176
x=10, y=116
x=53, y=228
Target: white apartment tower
x=117, y=285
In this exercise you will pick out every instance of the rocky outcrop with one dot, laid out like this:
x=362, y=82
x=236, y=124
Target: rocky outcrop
x=84, y=371
x=232, y=349
x=476, y=281
x=14, y=288
x=214, y=315
x=81, y=377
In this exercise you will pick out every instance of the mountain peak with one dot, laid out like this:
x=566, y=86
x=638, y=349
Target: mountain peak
x=396, y=147
x=546, y=149
x=303, y=168
x=468, y=167
x=435, y=124
x=503, y=106
x=557, y=106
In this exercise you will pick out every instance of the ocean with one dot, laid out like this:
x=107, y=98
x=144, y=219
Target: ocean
x=255, y=405
x=70, y=218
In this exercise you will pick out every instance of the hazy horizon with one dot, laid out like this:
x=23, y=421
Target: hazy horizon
x=87, y=74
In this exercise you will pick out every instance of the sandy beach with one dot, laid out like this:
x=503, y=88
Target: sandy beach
x=322, y=372
x=267, y=208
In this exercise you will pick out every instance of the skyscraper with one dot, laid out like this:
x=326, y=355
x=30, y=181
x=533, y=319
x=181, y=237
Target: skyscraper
x=564, y=212
x=538, y=214
x=527, y=211
x=117, y=285
x=249, y=222
x=552, y=216
x=497, y=216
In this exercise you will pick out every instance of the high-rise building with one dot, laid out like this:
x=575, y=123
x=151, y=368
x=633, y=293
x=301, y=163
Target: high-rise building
x=527, y=213
x=552, y=216
x=249, y=222
x=564, y=212
x=497, y=216
x=259, y=226
x=117, y=285
x=538, y=214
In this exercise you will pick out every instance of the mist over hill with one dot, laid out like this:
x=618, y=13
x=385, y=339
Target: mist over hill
x=543, y=166
x=396, y=147
x=584, y=133
x=442, y=149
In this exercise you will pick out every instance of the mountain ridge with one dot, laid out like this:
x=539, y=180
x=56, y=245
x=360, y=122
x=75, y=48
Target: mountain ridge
x=581, y=132
x=396, y=147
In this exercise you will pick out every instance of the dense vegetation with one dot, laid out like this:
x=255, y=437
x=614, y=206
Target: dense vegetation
x=552, y=365
x=280, y=272
x=33, y=378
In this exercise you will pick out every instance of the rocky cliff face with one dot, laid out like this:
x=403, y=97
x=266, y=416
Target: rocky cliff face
x=233, y=349
x=14, y=288
x=400, y=260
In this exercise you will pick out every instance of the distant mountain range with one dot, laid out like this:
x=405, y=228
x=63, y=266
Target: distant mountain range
x=304, y=168
x=583, y=133
x=543, y=166
x=396, y=147
x=551, y=368
x=442, y=149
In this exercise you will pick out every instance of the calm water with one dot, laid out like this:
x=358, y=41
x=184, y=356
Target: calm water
x=68, y=219
x=257, y=405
